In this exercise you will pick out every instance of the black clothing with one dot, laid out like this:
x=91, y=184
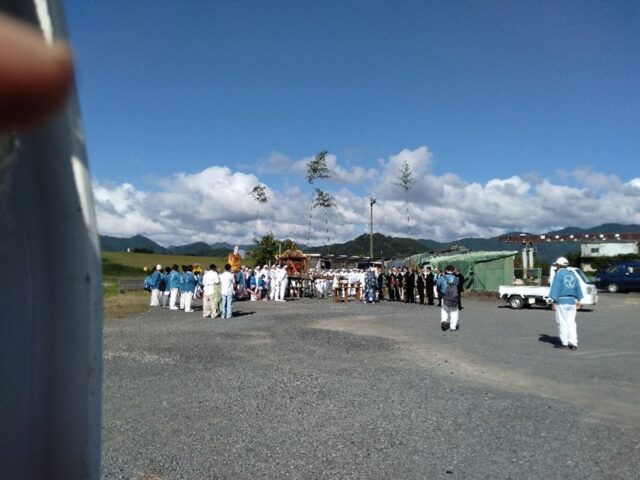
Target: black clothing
x=399, y=286
x=391, y=286
x=460, y=289
x=429, y=284
x=420, y=287
x=409, y=287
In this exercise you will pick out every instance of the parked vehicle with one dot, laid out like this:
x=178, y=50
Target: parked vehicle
x=620, y=277
x=520, y=295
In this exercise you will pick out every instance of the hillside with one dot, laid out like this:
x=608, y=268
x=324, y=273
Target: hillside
x=383, y=246
x=142, y=244
x=135, y=243
x=199, y=249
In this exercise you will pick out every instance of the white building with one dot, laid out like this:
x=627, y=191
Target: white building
x=605, y=249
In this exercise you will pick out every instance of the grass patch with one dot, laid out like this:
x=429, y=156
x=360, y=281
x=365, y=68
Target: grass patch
x=123, y=304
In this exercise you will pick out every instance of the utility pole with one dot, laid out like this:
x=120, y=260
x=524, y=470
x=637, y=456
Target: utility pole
x=372, y=201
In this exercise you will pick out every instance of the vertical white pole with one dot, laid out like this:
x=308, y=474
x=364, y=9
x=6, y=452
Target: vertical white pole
x=51, y=317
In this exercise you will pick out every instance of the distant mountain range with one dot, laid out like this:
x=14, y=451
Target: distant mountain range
x=139, y=243
x=384, y=246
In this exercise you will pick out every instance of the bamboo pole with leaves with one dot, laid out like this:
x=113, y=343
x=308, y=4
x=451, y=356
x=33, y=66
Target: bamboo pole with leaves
x=316, y=170
x=259, y=194
x=326, y=201
x=406, y=182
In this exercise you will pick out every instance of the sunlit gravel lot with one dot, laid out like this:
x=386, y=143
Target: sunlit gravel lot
x=311, y=389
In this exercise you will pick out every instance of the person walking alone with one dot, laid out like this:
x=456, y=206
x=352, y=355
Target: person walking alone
x=566, y=295
x=227, y=281
x=448, y=292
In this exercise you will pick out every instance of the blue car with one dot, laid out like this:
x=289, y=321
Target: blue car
x=620, y=277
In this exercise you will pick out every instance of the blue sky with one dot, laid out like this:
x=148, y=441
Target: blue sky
x=512, y=115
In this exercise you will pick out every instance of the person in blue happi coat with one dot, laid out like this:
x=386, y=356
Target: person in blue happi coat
x=174, y=286
x=566, y=295
x=189, y=285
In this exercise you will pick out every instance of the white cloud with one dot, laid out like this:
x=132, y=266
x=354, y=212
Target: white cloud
x=419, y=161
x=595, y=180
x=353, y=175
x=215, y=205
x=280, y=163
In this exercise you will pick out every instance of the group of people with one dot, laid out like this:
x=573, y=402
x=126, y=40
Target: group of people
x=262, y=283
x=415, y=286
x=175, y=288
x=399, y=284
x=407, y=285
x=404, y=285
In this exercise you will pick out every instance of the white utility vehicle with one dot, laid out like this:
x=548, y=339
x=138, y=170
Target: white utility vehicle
x=520, y=295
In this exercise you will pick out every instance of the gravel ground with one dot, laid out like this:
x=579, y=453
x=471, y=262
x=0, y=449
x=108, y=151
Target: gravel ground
x=311, y=389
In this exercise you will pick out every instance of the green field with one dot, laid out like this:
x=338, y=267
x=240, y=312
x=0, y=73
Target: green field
x=131, y=265
x=118, y=266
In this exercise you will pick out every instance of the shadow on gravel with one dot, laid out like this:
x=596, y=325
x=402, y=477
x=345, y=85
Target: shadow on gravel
x=549, y=339
x=241, y=314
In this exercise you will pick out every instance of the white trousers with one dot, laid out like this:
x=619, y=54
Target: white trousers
x=282, y=289
x=182, y=299
x=216, y=301
x=566, y=320
x=274, y=292
x=449, y=314
x=173, y=299
x=188, y=297
x=165, y=298
x=207, y=305
x=155, y=298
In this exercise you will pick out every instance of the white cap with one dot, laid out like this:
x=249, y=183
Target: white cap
x=563, y=262
x=158, y=267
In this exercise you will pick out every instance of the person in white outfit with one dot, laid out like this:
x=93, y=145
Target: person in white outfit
x=227, y=283
x=283, y=280
x=211, y=279
x=274, y=283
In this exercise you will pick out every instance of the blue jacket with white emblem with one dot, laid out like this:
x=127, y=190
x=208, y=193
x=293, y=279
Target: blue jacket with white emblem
x=565, y=288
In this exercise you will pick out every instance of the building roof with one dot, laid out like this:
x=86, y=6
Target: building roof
x=437, y=258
